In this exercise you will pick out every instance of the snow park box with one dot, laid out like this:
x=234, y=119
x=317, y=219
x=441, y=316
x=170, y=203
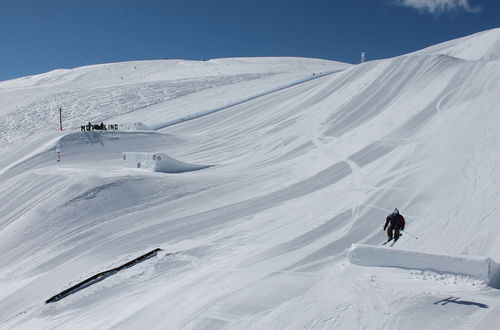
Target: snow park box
x=483, y=268
x=157, y=162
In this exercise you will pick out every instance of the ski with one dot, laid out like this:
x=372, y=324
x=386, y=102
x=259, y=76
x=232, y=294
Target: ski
x=387, y=241
x=395, y=240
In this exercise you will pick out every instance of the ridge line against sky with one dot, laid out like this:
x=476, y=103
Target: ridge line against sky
x=40, y=36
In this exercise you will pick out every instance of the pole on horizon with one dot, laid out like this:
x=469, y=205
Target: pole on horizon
x=362, y=57
x=60, y=118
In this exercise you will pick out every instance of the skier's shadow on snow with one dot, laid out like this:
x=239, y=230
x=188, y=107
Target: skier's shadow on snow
x=461, y=302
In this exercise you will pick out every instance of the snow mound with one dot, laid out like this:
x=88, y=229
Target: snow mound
x=483, y=268
x=158, y=162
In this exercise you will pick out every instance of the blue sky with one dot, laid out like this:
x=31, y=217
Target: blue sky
x=38, y=36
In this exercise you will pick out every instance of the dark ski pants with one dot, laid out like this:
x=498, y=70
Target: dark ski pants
x=393, y=231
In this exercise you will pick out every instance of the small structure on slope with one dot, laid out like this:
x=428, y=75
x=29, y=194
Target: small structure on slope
x=483, y=268
x=157, y=162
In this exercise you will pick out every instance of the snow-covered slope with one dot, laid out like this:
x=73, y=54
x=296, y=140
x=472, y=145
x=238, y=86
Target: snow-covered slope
x=260, y=239
x=111, y=91
x=482, y=46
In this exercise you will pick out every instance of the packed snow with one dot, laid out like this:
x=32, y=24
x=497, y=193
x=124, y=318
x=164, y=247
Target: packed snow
x=482, y=268
x=306, y=157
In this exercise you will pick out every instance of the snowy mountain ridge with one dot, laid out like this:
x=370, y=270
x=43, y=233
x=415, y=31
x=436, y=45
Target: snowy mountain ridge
x=31, y=104
x=483, y=46
x=260, y=239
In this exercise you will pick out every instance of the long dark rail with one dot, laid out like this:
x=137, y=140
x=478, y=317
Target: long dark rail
x=101, y=276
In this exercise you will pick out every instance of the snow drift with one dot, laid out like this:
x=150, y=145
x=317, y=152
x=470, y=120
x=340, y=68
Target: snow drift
x=158, y=162
x=483, y=268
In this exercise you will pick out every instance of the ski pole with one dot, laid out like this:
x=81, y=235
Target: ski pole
x=407, y=233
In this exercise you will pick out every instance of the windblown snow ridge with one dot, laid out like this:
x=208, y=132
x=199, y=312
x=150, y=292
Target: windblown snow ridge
x=483, y=268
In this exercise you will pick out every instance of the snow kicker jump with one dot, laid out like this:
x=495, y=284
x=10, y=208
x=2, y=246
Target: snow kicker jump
x=483, y=268
x=157, y=162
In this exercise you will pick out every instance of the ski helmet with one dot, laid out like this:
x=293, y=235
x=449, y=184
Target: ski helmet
x=395, y=211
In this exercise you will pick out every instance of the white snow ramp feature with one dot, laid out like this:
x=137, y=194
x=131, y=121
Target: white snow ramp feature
x=479, y=267
x=157, y=162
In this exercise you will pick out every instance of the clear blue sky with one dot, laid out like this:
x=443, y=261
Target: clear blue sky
x=41, y=35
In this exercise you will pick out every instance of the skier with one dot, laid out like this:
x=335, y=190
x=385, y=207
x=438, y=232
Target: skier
x=395, y=222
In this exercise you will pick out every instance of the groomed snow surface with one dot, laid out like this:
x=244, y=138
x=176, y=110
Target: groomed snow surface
x=281, y=165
